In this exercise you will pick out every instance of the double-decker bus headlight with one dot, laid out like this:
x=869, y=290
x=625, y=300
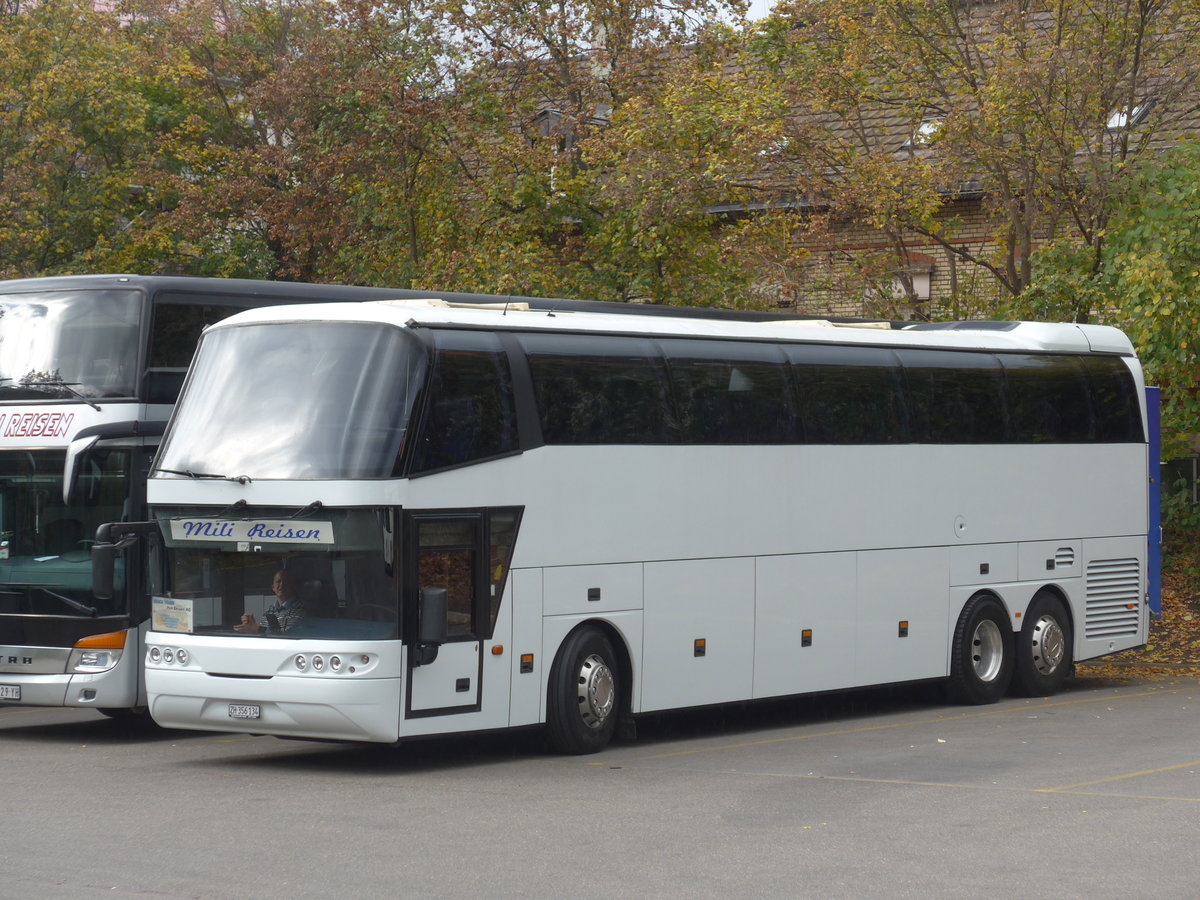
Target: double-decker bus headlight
x=97, y=653
x=301, y=663
x=335, y=663
x=94, y=660
x=155, y=654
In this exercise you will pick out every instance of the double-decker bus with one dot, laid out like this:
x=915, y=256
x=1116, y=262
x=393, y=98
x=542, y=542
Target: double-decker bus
x=90, y=367
x=376, y=521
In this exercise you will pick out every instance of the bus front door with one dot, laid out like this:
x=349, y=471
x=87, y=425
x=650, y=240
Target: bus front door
x=446, y=551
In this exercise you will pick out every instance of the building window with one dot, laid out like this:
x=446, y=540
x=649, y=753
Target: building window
x=1126, y=117
x=924, y=134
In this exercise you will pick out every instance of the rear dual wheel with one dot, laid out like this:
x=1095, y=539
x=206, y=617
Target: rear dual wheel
x=1043, y=647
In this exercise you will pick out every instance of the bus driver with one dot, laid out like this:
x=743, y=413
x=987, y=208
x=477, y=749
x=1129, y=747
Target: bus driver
x=287, y=610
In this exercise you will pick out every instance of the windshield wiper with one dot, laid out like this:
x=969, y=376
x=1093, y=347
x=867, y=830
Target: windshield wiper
x=240, y=479
x=35, y=383
x=74, y=604
x=306, y=511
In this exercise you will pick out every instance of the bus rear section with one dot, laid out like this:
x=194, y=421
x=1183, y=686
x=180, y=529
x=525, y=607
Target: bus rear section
x=505, y=519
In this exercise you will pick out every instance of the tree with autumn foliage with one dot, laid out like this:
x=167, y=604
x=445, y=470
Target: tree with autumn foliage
x=662, y=178
x=329, y=125
x=610, y=132
x=84, y=116
x=560, y=149
x=1041, y=112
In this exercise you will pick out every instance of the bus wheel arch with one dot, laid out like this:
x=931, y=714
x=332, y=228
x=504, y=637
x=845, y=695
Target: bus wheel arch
x=982, y=652
x=587, y=691
x=1044, y=645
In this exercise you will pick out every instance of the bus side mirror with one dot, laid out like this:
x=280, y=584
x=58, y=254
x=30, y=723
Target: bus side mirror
x=433, y=616
x=431, y=625
x=103, y=560
x=111, y=538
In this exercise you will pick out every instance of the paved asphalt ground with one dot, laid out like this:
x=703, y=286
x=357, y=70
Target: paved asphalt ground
x=1094, y=793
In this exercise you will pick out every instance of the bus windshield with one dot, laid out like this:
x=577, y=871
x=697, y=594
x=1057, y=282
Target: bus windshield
x=45, y=563
x=329, y=575
x=296, y=400
x=68, y=344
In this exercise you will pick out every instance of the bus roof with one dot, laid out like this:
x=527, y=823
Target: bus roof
x=433, y=313
x=303, y=292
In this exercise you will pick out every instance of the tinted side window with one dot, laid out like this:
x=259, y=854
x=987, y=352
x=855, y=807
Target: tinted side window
x=447, y=558
x=849, y=395
x=174, y=333
x=176, y=330
x=469, y=413
x=502, y=523
x=599, y=390
x=1114, y=400
x=955, y=397
x=1048, y=399
x=730, y=393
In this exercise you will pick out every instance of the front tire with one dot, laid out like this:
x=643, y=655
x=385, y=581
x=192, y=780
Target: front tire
x=583, y=700
x=981, y=661
x=1043, y=647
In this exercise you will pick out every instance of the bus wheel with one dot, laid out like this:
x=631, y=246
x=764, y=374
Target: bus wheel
x=1043, y=647
x=981, y=661
x=582, y=703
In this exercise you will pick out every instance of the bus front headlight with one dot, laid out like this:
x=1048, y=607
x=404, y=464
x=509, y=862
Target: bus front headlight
x=94, y=660
x=97, y=652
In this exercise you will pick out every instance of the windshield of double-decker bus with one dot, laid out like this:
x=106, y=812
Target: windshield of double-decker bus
x=63, y=344
x=45, y=561
x=295, y=400
x=328, y=575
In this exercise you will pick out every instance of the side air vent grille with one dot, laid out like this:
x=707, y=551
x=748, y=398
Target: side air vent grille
x=1114, y=597
x=1064, y=557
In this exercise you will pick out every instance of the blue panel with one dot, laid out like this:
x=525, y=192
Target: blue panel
x=1154, y=538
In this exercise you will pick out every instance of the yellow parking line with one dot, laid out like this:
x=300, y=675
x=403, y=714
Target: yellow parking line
x=1127, y=775
x=939, y=720
x=1112, y=796
x=900, y=782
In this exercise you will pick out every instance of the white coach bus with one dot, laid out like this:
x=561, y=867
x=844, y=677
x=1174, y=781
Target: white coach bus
x=384, y=520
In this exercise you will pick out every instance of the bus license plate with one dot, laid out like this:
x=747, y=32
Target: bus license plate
x=244, y=711
x=10, y=692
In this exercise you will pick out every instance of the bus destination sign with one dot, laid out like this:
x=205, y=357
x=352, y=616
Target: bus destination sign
x=251, y=531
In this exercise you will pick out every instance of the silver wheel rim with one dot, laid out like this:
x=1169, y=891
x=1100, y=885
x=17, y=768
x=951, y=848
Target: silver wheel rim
x=1049, y=645
x=597, y=691
x=987, y=650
